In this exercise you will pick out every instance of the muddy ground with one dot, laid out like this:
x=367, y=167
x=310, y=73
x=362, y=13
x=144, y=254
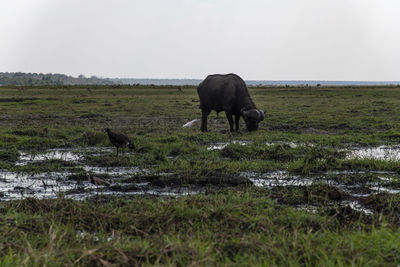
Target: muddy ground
x=76, y=177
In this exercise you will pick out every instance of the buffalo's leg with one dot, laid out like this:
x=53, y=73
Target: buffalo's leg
x=237, y=118
x=117, y=151
x=230, y=119
x=204, y=115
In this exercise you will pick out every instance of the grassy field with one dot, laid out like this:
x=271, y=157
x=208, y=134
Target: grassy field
x=307, y=135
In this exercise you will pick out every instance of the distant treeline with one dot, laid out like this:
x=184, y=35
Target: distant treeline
x=40, y=79
x=31, y=79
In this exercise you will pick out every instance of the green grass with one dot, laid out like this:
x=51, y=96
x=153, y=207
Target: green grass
x=72, y=117
x=232, y=223
x=231, y=228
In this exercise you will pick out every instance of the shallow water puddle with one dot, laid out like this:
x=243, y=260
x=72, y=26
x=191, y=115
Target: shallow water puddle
x=381, y=189
x=48, y=155
x=43, y=185
x=283, y=178
x=51, y=184
x=355, y=205
x=290, y=144
x=387, y=153
x=354, y=191
x=222, y=145
x=66, y=154
x=116, y=171
x=158, y=193
x=277, y=178
x=15, y=185
x=174, y=192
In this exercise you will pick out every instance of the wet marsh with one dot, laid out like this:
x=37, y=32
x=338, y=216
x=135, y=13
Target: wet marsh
x=324, y=166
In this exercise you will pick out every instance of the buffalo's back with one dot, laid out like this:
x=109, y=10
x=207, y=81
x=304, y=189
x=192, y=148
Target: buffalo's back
x=222, y=92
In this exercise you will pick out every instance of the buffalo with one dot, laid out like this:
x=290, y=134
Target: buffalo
x=228, y=93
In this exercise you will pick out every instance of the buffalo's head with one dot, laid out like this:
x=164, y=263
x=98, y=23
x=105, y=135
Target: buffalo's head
x=252, y=118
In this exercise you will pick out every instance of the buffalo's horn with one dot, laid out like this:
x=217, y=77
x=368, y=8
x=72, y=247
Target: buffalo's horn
x=258, y=114
x=261, y=113
x=242, y=112
x=253, y=113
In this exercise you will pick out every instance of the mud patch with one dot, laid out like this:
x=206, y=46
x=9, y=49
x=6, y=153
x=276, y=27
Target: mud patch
x=345, y=188
x=113, y=181
x=86, y=181
x=211, y=179
x=160, y=192
x=35, y=179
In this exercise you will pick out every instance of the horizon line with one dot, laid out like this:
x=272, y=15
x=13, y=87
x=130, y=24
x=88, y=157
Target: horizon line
x=269, y=80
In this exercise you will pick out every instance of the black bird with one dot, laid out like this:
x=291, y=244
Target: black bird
x=119, y=140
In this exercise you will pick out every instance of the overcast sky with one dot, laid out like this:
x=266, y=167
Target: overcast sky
x=257, y=39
